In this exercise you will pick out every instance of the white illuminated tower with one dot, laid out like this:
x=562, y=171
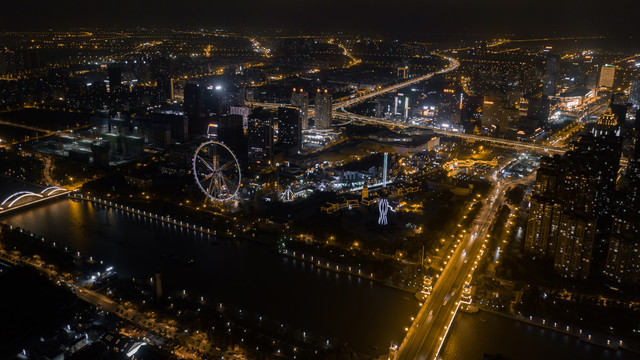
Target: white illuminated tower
x=384, y=170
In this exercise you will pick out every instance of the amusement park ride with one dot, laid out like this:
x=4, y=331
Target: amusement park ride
x=216, y=171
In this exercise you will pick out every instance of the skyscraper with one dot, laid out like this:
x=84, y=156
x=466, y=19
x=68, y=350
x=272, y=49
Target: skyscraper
x=623, y=257
x=634, y=94
x=607, y=75
x=323, y=110
x=260, y=144
x=300, y=99
x=231, y=133
x=290, y=128
x=114, y=73
x=551, y=76
x=573, y=195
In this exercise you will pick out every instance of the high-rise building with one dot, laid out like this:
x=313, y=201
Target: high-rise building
x=300, y=99
x=634, y=94
x=576, y=236
x=290, y=128
x=260, y=144
x=114, y=73
x=496, y=116
x=193, y=99
x=323, y=110
x=491, y=111
x=231, y=133
x=572, y=197
x=165, y=87
x=607, y=75
x=216, y=100
x=538, y=111
x=608, y=123
x=551, y=76
x=623, y=256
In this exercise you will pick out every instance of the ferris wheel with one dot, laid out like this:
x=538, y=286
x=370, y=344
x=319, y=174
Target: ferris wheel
x=216, y=170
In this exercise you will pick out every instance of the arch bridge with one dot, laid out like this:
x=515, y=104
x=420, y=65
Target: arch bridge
x=25, y=198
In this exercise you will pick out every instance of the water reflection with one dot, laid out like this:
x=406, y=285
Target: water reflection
x=251, y=276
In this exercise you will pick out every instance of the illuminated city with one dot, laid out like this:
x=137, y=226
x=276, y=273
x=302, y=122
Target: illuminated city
x=282, y=180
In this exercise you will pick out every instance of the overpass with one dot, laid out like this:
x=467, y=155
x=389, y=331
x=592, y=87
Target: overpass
x=23, y=199
x=453, y=64
x=343, y=114
x=340, y=113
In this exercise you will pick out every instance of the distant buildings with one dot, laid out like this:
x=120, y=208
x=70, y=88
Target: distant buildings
x=323, y=110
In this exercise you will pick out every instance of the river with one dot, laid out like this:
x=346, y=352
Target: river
x=365, y=315
x=472, y=335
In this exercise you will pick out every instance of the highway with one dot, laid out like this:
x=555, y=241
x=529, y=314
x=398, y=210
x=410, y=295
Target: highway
x=428, y=332
x=453, y=64
x=343, y=114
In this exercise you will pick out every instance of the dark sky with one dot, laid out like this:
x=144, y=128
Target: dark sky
x=522, y=17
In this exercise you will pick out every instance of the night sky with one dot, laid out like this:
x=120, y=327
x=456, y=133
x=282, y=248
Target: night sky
x=521, y=17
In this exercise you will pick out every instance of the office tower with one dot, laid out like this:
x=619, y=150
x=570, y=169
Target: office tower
x=193, y=106
x=231, y=133
x=609, y=123
x=114, y=73
x=495, y=116
x=216, y=100
x=551, y=76
x=290, y=128
x=538, y=110
x=491, y=111
x=323, y=110
x=300, y=99
x=607, y=75
x=572, y=197
x=260, y=142
x=634, y=94
x=243, y=111
x=193, y=99
x=165, y=87
x=401, y=106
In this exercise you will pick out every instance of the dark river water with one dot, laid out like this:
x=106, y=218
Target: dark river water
x=254, y=277
x=367, y=316
x=472, y=335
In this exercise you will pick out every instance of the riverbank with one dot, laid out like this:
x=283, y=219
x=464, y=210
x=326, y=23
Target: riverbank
x=340, y=268
x=594, y=338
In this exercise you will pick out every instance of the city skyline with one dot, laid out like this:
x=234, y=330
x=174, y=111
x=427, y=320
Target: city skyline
x=288, y=180
x=417, y=19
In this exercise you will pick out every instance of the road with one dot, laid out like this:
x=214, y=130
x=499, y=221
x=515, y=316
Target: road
x=428, y=331
x=453, y=64
x=343, y=114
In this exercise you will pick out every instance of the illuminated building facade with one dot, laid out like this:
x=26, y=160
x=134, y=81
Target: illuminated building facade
x=323, y=110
